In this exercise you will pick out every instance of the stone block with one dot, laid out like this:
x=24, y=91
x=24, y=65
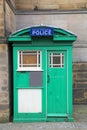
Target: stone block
x=74, y=75
x=4, y=107
x=63, y=4
x=4, y=88
x=3, y=95
x=83, y=66
x=85, y=94
x=3, y=55
x=49, y=6
x=4, y=100
x=3, y=48
x=4, y=117
x=3, y=75
x=81, y=85
x=78, y=93
x=75, y=67
x=3, y=68
x=82, y=76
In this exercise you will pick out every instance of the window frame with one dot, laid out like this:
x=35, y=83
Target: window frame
x=52, y=65
x=36, y=68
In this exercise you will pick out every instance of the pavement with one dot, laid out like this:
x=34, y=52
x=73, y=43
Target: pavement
x=44, y=126
x=80, y=122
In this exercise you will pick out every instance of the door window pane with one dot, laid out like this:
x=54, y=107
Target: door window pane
x=56, y=60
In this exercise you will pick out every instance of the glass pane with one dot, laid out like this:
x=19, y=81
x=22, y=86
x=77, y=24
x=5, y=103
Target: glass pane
x=30, y=59
x=56, y=60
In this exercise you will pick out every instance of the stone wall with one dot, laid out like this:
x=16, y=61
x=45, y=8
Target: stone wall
x=51, y=4
x=7, y=26
x=1, y=18
x=9, y=20
x=12, y=2
x=4, y=87
x=76, y=23
x=80, y=83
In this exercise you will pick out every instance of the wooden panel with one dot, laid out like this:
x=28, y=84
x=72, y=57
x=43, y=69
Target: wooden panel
x=29, y=100
x=51, y=4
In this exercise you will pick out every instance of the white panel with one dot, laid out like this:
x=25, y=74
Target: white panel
x=29, y=100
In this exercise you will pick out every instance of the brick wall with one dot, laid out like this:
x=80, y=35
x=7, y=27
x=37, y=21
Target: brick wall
x=51, y=4
x=80, y=83
x=1, y=18
x=4, y=87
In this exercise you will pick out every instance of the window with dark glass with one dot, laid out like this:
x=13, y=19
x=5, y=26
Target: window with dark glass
x=56, y=60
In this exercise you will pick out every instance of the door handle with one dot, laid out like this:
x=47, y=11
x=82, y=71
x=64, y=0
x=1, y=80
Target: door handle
x=48, y=78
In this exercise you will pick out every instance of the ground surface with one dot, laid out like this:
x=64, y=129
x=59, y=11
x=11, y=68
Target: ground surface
x=80, y=122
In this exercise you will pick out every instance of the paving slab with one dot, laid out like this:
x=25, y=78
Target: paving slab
x=44, y=126
x=80, y=122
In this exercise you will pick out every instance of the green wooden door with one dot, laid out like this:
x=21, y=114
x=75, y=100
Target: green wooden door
x=57, y=84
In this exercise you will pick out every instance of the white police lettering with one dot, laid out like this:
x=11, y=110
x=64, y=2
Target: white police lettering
x=41, y=32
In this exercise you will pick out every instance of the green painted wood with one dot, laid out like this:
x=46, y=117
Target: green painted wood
x=57, y=115
x=57, y=87
x=52, y=93
x=57, y=93
x=21, y=81
x=59, y=35
x=29, y=119
x=20, y=38
x=63, y=38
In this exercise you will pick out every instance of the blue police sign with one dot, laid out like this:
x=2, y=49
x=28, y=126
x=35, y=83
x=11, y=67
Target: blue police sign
x=41, y=31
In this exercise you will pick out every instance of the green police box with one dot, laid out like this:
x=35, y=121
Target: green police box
x=42, y=74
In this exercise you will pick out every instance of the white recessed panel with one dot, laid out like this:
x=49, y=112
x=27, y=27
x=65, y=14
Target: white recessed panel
x=29, y=100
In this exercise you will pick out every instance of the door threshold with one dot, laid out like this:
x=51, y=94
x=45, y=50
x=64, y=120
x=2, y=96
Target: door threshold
x=57, y=115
